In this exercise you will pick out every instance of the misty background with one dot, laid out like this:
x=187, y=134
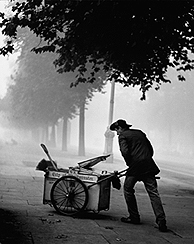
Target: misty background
x=166, y=116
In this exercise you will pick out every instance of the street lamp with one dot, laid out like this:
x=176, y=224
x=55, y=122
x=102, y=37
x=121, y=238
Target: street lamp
x=109, y=135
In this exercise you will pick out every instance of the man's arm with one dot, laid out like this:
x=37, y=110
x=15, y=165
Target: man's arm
x=125, y=149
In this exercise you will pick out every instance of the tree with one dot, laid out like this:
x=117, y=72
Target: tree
x=40, y=96
x=134, y=41
x=85, y=94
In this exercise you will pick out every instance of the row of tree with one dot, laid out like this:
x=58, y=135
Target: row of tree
x=40, y=97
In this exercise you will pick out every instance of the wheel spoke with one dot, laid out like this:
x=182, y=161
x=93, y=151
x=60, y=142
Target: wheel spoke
x=69, y=195
x=60, y=203
x=60, y=191
x=78, y=185
x=78, y=193
x=77, y=206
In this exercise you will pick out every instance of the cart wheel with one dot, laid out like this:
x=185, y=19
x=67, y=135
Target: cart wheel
x=69, y=195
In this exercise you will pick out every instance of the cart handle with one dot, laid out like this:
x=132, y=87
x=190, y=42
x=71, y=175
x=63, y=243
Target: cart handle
x=116, y=173
x=47, y=153
x=122, y=173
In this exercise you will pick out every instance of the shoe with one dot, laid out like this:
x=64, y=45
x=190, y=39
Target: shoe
x=162, y=226
x=130, y=221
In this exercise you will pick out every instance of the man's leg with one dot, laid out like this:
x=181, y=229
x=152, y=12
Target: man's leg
x=152, y=189
x=130, y=199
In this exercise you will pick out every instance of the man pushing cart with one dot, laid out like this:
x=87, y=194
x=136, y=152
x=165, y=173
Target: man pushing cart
x=80, y=188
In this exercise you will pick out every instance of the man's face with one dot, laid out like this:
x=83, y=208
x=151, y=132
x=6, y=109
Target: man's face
x=118, y=130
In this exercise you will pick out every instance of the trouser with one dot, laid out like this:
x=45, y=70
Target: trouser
x=150, y=184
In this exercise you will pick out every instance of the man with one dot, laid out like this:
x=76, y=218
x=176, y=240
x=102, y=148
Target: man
x=137, y=152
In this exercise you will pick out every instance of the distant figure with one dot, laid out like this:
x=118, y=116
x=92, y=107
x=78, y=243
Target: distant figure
x=45, y=165
x=137, y=152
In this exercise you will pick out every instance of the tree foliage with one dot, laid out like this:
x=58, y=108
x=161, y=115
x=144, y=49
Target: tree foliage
x=40, y=96
x=133, y=41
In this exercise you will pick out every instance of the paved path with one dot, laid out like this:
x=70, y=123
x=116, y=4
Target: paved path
x=25, y=220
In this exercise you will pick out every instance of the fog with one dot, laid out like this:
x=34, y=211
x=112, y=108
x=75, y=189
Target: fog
x=166, y=116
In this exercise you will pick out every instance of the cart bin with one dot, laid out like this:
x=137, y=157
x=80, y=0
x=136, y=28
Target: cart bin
x=99, y=195
x=49, y=178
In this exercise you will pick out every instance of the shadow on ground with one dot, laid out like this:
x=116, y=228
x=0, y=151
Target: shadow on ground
x=91, y=215
x=10, y=232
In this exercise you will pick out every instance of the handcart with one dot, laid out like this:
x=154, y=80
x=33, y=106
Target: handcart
x=72, y=190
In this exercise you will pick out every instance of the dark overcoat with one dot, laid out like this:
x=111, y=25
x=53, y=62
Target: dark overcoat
x=137, y=152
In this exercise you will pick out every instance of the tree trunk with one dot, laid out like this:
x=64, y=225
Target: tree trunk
x=53, y=137
x=44, y=134
x=47, y=135
x=64, y=134
x=82, y=128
